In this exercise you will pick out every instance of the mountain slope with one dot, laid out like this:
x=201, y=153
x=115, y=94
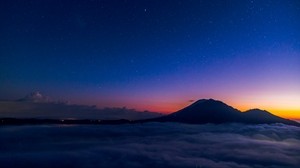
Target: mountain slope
x=257, y=116
x=205, y=111
x=213, y=111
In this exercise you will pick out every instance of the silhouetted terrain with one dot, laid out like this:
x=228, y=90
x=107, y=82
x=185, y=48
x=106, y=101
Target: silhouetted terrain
x=34, y=121
x=201, y=112
x=38, y=106
x=252, y=139
x=10, y=109
x=213, y=111
x=257, y=116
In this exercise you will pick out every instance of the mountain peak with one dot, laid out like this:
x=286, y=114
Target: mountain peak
x=206, y=111
x=215, y=111
x=208, y=102
x=257, y=116
x=257, y=110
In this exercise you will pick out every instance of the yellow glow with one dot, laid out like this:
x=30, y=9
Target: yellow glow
x=286, y=105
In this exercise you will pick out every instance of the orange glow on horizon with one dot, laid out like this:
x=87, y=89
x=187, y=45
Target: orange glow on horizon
x=290, y=113
x=283, y=103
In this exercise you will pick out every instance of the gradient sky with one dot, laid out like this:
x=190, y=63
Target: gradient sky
x=155, y=55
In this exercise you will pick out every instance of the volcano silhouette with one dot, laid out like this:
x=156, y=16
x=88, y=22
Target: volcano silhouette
x=214, y=111
x=201, y=112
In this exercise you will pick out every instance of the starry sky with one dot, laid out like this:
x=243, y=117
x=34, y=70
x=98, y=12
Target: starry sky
x=153, y=55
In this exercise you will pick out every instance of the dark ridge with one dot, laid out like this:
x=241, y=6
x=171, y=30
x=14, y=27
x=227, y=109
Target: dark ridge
x=214, y=111
x=205, y=111
x=257, y=116
x=201, y=112
x=33, y=121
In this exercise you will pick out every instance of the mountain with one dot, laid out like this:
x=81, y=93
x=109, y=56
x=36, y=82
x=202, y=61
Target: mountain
x=213, y=111
x=257, y=116
x=201, y=112
x=205, y=111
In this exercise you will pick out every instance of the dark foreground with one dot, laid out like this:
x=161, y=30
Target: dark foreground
x=33, y=121
x=150, y=145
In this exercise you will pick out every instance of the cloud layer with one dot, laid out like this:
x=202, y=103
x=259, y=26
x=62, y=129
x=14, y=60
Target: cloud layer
x=15, y=109
x=151, y=145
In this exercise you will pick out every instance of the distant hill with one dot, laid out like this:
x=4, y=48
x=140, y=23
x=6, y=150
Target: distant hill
x=257, y=116
x=201, y=112
x=38, y=106
x=213, y=111
x=40, y=110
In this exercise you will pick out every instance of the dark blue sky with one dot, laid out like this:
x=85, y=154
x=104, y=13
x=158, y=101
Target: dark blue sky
x=153, y=55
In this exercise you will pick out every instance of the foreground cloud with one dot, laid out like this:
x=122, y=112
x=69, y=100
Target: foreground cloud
x=151, y=145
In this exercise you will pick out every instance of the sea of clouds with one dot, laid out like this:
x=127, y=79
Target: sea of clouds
x=151, y=145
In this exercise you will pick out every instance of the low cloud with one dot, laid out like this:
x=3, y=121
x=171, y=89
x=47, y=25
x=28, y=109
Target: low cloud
x=151, y=145
x=19, y=109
